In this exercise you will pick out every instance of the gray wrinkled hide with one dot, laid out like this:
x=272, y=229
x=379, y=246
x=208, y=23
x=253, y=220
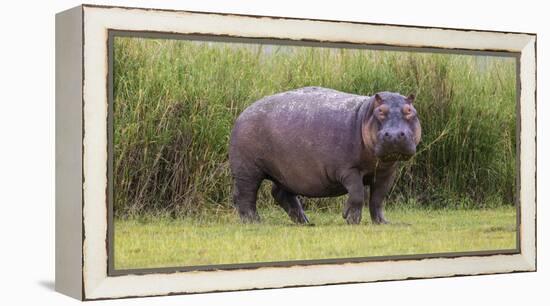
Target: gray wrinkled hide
x=308, y=142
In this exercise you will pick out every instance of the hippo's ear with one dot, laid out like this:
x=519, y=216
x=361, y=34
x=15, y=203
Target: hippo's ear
x=377, y=100
x=410, y=98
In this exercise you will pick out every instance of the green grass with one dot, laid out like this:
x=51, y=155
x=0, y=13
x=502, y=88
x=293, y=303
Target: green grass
x=175, y=103
x=219, y=238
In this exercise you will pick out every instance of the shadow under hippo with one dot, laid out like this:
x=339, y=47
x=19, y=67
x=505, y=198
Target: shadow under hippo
x=319, y=142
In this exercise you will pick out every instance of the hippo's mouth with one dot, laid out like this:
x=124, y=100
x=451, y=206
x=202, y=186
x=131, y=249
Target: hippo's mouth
x=395, y=156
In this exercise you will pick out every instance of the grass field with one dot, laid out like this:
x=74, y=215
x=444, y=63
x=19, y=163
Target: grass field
x=154, y=242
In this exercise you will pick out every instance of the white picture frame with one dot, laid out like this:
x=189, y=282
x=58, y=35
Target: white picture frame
x=82, y=155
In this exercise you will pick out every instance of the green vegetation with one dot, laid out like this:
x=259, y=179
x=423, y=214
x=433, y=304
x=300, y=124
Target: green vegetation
x=153, y=242
x=174, y=106
x=175, y=103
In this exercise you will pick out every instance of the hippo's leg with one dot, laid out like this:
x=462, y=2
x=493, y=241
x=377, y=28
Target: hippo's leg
x=245, y=191
x=353, y=208
x=290, y=203
x=378, y=190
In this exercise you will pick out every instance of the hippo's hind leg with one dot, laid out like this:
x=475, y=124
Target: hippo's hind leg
x=290, y=203
x=245, y=191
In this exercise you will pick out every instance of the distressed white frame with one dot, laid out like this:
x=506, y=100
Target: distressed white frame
x=96, y=23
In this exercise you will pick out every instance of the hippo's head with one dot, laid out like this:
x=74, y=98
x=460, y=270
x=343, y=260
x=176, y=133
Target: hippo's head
x=392, y=128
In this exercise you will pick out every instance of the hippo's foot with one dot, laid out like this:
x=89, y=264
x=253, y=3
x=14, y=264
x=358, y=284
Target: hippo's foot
x=298, y=216
x=249, y=216
x=379, y=219
x=352, y=214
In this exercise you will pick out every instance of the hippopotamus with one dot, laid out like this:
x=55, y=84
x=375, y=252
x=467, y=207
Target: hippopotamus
x=319, y=142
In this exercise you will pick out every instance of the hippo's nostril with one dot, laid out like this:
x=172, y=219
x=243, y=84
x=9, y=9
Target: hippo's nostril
x=402, y=134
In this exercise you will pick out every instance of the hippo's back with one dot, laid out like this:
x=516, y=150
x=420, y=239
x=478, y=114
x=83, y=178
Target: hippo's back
x=300, y=117
x=303, y=103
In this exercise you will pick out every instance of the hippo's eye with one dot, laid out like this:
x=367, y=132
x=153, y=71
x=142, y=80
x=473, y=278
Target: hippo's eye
x=380, y=114
x=408, y=112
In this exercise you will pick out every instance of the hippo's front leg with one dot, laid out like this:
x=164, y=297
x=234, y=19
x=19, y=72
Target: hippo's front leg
x=353, y=182
x=380, y=186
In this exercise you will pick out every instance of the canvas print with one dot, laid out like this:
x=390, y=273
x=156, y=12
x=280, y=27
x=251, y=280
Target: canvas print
x=243, y=152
